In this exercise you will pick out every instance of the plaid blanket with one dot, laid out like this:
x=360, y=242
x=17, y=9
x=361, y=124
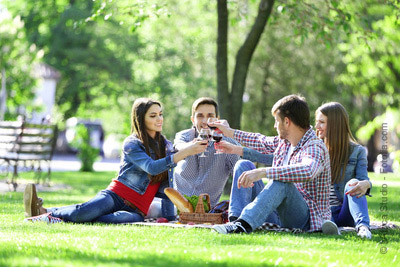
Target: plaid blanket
x=266, y=227
x=276, y=228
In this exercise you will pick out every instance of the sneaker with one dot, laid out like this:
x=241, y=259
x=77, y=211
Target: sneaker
x=232, y=218
x=44, y=218
x=330, y=228
x=230, y=228
x=32, y=203
x=364, y=232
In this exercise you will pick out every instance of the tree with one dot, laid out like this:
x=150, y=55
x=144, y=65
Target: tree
x=321, y=18
x=17, y=59
x=373, y=75
x=287, y=65
x=95, y=59
x=326, y=20
x=175, y=62
x=226, y=98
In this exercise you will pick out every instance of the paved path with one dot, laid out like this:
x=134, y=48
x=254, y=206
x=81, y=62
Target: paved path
x=72, y=163
x=64, y=163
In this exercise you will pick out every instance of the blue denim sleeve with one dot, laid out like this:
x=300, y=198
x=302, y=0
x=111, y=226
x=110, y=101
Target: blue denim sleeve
x=255, y=156
x=362, y=165
x=134, y=152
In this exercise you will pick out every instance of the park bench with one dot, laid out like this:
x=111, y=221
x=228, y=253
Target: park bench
x=27, y=146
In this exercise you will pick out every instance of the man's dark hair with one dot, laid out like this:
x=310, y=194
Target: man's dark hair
x=204, y=101
x=295, y=108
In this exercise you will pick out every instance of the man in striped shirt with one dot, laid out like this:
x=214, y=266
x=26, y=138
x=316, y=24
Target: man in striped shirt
x=300, y=176
x=196, y=175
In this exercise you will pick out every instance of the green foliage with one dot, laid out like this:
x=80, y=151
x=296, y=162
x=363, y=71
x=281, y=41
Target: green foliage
x=17, y=58
x=286, y=66
x=95, y=59
x=86, y=153
x=111, y=52
x=372, y=68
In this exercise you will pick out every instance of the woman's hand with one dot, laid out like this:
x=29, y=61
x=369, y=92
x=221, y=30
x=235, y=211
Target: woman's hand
x=359, y=189
x=248, y=178
x=195, y=147
x=228, y=148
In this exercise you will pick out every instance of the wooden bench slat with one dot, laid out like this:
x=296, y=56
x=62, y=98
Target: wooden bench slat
x=26, y=142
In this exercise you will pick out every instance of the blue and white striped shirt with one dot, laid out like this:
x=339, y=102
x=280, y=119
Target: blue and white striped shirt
x=196, y=175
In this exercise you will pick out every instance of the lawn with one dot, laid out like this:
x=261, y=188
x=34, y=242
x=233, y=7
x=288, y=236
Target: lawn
x=39, y=244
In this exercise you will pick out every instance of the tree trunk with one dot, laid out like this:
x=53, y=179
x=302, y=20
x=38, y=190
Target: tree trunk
x=222, y=59
x=265, y=93
x=231, y=103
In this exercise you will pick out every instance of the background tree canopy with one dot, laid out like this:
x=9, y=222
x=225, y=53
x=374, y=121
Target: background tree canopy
x=245, y=53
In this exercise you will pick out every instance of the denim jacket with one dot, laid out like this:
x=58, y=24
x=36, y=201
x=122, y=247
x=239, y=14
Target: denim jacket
x=356, y=168
x=136, y=165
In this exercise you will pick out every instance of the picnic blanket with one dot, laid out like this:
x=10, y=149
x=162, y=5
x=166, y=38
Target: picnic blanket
x=267, y=227
x=276, y=228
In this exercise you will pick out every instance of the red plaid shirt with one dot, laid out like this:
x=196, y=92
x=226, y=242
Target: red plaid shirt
x=308, y=167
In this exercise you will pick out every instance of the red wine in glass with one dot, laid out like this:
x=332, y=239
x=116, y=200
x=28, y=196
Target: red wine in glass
x=211, y=120
x=217, y=138
x=212, y=128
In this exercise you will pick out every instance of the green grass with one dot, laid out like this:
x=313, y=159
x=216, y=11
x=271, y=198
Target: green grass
x=39, y=244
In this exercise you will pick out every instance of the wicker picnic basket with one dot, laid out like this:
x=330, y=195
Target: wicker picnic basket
x=199, y=215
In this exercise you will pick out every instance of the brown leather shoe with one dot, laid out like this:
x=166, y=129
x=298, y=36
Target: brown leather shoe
x=31, y=202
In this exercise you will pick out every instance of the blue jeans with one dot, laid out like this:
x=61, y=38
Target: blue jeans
x=167, y=207
x=261, y=203
x=353, y=211
x=105, y=207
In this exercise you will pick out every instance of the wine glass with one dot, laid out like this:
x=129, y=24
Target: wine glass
x=217, y=136
x=212, y=119
x=204, y=135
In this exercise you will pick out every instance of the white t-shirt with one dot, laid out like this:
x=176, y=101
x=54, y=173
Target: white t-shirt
x=286, y=160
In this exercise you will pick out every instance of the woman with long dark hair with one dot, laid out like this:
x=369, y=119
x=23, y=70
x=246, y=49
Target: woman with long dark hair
x=147, y=162
x=350, y=182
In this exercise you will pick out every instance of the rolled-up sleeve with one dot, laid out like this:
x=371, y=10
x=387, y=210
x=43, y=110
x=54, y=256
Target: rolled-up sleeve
x=261, y=143
x=255, y=156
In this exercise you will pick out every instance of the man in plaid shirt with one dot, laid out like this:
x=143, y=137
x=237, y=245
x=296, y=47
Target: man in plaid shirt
x=300, y=176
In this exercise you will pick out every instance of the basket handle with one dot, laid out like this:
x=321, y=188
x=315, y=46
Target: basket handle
x=200, y=205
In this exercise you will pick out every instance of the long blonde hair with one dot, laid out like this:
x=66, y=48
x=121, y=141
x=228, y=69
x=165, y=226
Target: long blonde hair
x=338, y=138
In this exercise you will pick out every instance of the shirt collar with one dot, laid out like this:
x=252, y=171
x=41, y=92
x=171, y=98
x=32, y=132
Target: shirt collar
x=307, y=136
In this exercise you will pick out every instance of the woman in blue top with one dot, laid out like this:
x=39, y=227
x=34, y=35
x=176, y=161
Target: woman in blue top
x=350, y=182
x=147, y=162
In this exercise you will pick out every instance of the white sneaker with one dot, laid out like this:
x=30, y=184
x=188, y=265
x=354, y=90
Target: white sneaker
x=364, y=232
x=229, y=228
x=44, y=218
x=330, y=228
